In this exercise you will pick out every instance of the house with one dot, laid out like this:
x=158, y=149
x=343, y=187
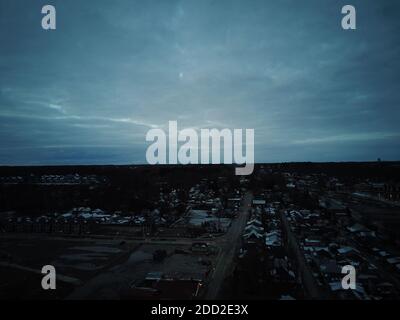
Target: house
x=259, y=202
x=357, y=228
x=254, y=222
x=253, y=227
x=253, y=235
x=200, y=247
x=273, y=239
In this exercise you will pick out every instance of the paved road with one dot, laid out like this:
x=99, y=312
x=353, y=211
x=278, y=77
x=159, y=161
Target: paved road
x=228, y=246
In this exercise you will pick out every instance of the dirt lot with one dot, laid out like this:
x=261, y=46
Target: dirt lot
x=134, y=269
x=75, y=260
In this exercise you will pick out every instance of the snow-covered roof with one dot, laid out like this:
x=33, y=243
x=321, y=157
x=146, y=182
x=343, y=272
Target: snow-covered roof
x=253, y=233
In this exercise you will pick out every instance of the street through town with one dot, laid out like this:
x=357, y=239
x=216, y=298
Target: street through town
x=228, y=245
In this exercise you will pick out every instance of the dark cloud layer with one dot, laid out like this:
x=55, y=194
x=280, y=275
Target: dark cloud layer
x=89, y=91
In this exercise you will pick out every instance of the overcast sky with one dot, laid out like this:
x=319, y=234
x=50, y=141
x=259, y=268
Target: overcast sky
x=88, y=92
